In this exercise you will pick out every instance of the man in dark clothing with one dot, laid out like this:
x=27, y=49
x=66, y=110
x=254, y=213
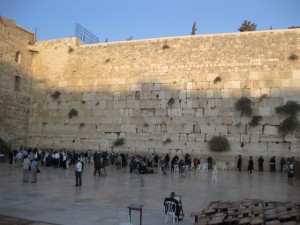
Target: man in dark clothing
x=250, y=165
x=272, y=164
x=97, y=163
x=239, y=163
x=172, y=199
x=261, y=163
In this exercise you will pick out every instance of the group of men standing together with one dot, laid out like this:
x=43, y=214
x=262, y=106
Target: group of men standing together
x=285, y=166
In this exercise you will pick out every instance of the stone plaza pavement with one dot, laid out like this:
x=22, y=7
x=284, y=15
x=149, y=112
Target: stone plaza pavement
x=55, y=200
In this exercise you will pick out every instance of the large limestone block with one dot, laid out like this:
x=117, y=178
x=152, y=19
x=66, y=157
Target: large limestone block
x=264, y=111
x=268, y=138
x=278, y=149
x=208, y=129
x=52, y=105
x=270, y=130
x=119, y=104
x=296, y=75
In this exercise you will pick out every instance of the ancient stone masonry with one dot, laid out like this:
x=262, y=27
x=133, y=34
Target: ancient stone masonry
x=167, y=94
x=15, y=82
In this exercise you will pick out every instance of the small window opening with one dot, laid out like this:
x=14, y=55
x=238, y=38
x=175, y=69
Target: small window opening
x=18, y=57
x=17, y=83
x=137, y=95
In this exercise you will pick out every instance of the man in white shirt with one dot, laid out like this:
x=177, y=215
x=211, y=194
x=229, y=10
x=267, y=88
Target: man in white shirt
x=78, y=171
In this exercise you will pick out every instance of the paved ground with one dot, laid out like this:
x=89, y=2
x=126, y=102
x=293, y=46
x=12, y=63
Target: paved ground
x=55, y=200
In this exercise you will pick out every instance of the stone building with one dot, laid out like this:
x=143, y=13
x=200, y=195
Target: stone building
x=165, y=95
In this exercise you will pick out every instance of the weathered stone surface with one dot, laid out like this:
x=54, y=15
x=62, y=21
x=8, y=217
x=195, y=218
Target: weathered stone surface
x=120, y=97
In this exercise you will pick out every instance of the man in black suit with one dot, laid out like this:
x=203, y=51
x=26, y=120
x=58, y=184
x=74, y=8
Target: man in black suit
x=172, y=199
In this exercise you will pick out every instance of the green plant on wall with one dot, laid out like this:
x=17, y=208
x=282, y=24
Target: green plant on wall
x=244, y=105
x=219, y=144
x=119, y=142
x=168, y=140
x=217, y=79
x=55, y=95
x=293, y=57
x=72, y=113
x=81, y=125
x=171, y=102
x=255, y=121
x=70, y=50
x=291, y=123
x=291, y=108
x=165, y=46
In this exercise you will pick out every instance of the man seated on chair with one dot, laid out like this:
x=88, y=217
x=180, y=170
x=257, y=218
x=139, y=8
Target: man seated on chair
x=178, y=206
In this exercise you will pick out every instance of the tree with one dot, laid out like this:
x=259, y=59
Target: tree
x=194, y=28
x=247, y=26
x=130, y=38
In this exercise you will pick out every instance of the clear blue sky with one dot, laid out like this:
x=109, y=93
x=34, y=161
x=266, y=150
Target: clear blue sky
x=117, y=20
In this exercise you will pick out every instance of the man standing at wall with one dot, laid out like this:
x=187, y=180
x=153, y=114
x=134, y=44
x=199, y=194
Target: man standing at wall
x=26, y=165
x=272, y=164
x=261, y=164
x=78, y=172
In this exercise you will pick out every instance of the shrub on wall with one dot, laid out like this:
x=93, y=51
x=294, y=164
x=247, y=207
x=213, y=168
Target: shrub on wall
x=291, y=123
x=73, y=113
x=244, y=105
x=290, y=108
x=217, y=79
x=168, y=140
x=55, y=95
x=171, y=102
x=219, y=144
x=255, y=121
x=293, y=57
x=119, y=142
x=165, y=46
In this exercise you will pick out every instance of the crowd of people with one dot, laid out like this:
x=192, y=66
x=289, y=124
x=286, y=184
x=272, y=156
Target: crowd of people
x=140, y=164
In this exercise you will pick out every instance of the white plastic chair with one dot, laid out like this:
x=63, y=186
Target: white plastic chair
x=192, y=166
x=224, y=168
x=199, y=168
x=205, y=167
x=124, y=218
x=170, y=211
x=214, y=177
x=176, y=169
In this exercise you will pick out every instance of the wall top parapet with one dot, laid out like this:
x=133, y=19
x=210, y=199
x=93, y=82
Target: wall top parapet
x=295, y=30
x=77, y=42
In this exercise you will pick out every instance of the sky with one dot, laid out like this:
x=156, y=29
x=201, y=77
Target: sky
x=119, y=20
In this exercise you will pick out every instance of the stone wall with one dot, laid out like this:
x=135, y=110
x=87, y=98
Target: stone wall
x=166, y=95
x=126, y=90
x=15, y=82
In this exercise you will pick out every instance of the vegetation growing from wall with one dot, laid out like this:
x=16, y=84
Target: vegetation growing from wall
x=165, y=46
x=293, y=57
x=73, y=113
x=168, y=140
x=219, y=144
x=55, y=95
x=247, y=26
x=244, y=105
x=119, y=142
x=171, y=102
x=291, y=123
x=70, y=50
x=217, y=79
x=255, y=121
